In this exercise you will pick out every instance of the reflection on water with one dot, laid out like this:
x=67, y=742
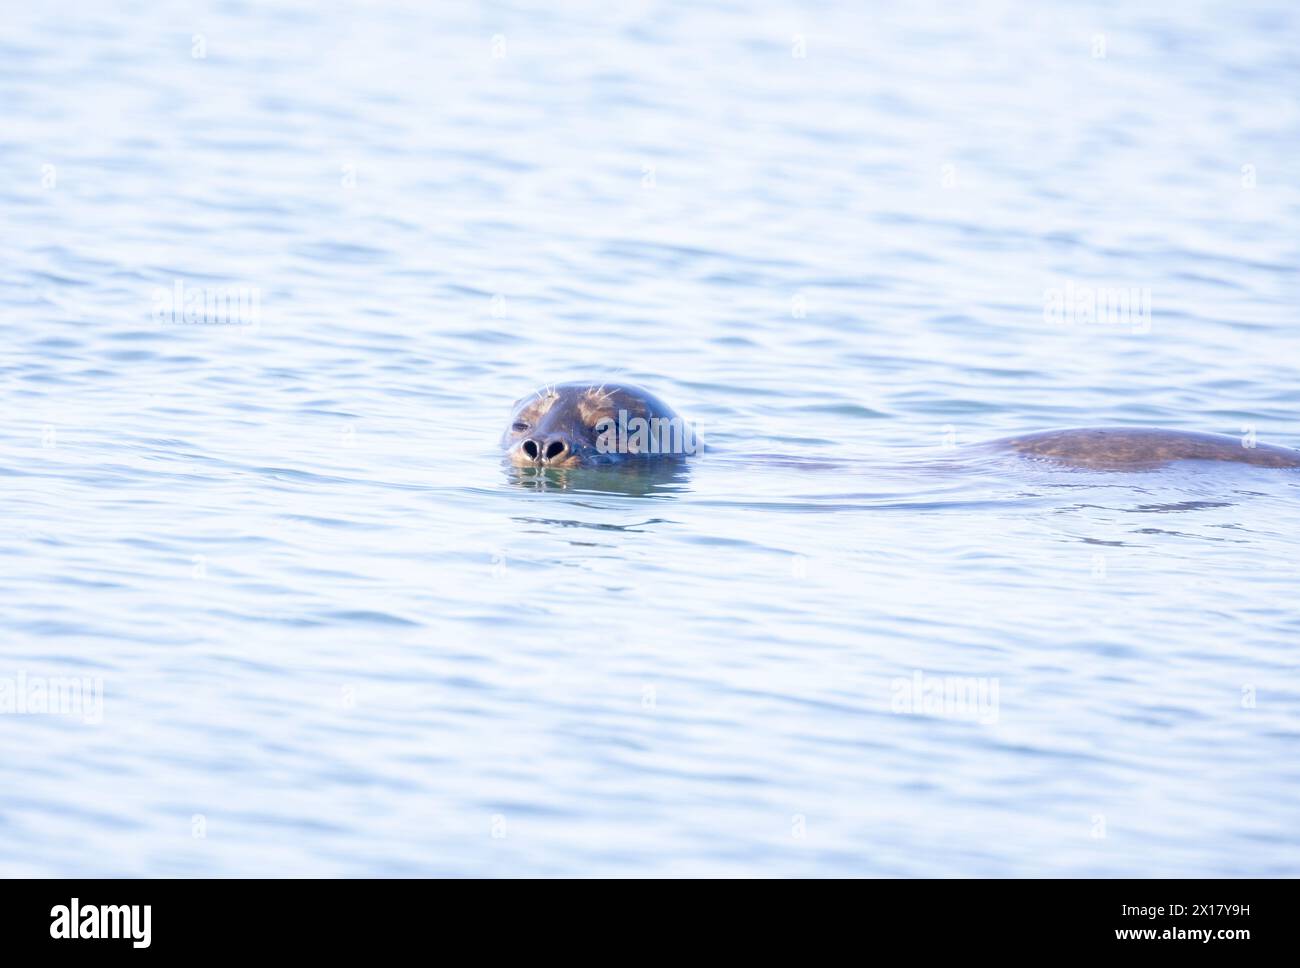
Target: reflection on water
x=632, y=478
x=335, y=634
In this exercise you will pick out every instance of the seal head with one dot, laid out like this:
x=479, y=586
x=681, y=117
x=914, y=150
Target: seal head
x=581, y=424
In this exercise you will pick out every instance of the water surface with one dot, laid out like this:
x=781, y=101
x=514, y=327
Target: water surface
x=335, y=635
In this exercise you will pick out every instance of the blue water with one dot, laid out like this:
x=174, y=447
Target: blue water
x=334, y=635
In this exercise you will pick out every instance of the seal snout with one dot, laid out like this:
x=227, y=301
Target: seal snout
x=548, y=450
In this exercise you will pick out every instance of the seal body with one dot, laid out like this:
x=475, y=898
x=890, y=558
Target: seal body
x=1142, y=448
x=580, y=424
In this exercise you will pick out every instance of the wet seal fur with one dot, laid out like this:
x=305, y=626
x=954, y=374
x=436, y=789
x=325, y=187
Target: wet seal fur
x=1142, y=448
x=561, y=426
x=583, y=424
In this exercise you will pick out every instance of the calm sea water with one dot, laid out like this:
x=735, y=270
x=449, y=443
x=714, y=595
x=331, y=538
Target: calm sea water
x=334, y=635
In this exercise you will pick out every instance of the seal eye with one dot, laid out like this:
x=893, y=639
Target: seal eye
x=519, y=427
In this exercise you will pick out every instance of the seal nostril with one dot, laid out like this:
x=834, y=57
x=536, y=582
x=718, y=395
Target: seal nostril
x=554, y=449
x=530, y=448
